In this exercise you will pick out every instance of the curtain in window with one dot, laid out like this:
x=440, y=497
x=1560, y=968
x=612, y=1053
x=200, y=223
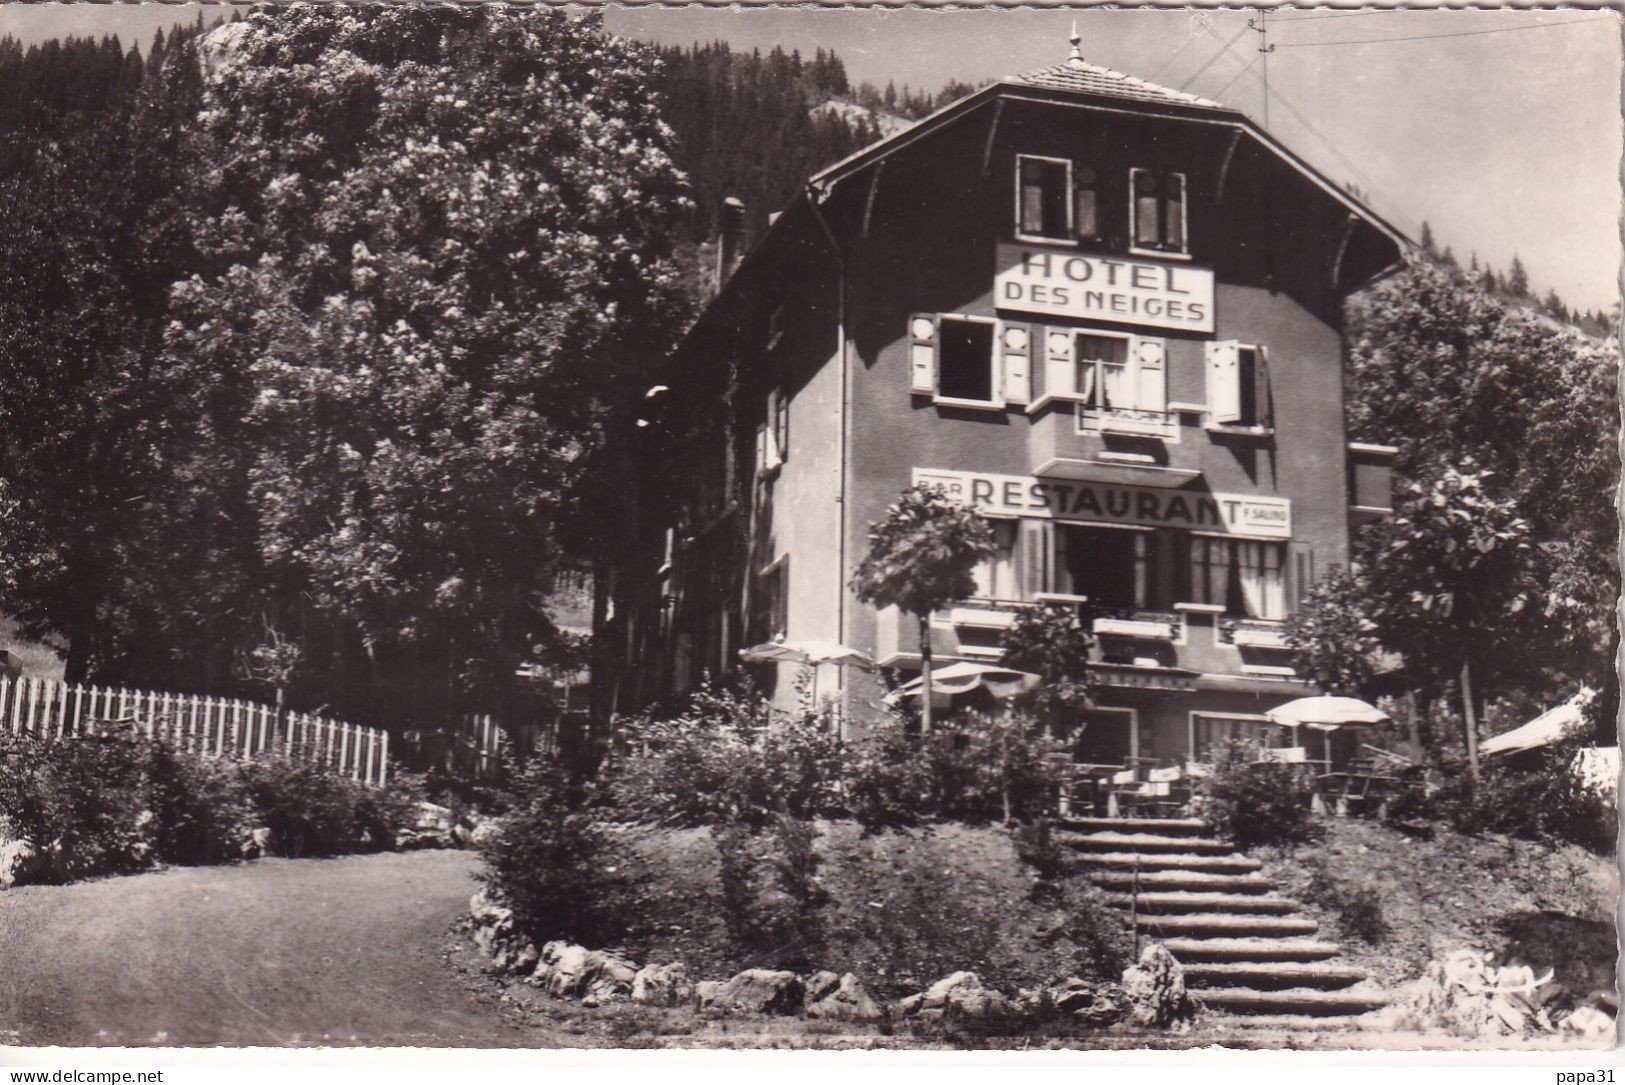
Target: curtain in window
x=1263, y=589
x=1147, y=228
x=1087, y=210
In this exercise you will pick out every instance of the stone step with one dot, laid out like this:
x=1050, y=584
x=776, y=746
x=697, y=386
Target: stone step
x=1147, y=842
x=1226, y=924
x=1160, y=826
x=1193, y=950
x=1264, y=976
x=1158, y=902
x=1126, y=860
x=1296, y=1001
x=1279, y=1022
x=1194, y=881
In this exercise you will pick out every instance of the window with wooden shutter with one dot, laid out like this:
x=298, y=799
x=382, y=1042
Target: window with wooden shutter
x=922, y=330
x=1224, y=382
x=1151, y=392
x=1015, y=342
x=1032, y=557
x=1058, y=378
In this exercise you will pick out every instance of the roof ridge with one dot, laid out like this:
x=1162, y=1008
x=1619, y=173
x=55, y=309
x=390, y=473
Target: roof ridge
x=1083, y=75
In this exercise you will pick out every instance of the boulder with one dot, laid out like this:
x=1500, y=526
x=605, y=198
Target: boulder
x=847, y=1002
x=485, y=831
x=1155, y=989
x=662, y=985
x=705, y=993
x=755, y=990
x=1589, y=1023
x=20, y=861
x=566, y=970
x=939, y=994
x=1095, y=1005
x=960, y=998
x=256, y=842
x=820, y=984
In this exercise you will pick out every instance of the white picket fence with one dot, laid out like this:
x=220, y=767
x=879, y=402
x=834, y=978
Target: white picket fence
x=214, y=726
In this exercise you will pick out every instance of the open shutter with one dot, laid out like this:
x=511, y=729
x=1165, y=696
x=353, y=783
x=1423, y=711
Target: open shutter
x=1263, y=391
x=1224, y=382
x=1032, y=553
x=1058, y=363
x=922, y=329
x=1015, y=343
x=1150, y=356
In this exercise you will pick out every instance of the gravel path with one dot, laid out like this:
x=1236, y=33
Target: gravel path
x=306, y=952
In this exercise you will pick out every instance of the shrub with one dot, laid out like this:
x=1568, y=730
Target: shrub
x=1358, y=911
x=1547, y=802
x=203, y=807
x=564, y=875
x=729, y=756
x=311, y=812
x=1257, y=804
x=85, y=800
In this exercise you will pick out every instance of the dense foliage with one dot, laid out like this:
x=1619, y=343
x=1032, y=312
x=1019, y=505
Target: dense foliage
x=418, y=256
x=118, y=804
x=1254, y=804
x=1054, y=641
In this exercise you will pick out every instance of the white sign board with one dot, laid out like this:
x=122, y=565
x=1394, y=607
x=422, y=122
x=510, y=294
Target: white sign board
x=1063, y=499
x=1052, y=282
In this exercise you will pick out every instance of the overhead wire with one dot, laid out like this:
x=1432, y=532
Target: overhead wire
x=1393, y=204
x=1203, y=69
x=1451, y=34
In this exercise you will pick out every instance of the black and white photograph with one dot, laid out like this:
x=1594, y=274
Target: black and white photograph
x=867, y=528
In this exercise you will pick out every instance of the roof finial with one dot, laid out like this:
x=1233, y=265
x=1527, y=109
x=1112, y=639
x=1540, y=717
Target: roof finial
x=1076, y=59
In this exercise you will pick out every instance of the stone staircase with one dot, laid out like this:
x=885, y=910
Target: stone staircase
x=1249, y=955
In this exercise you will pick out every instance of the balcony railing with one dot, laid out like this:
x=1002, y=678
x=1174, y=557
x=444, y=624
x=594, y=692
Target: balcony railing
x=1141, y=625
x=1253, y=633
x=1128, y=421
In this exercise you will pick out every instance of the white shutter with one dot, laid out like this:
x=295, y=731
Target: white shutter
x=1059, y=379
x=1150, y=357
x=922, y=330
x=1032, y=554
x=1224, y=381
x=1015, y=342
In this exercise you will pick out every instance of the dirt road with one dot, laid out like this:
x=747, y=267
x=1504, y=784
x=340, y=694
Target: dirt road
x=308, y=952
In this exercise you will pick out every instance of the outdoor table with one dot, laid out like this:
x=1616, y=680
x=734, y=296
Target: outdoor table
x=1099, y=777
x=1346, y=787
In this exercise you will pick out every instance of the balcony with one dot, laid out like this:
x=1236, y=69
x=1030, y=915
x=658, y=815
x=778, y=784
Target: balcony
x=1130, y=453
x=1142, y=625
x=1128, y=422
x=1253, y=633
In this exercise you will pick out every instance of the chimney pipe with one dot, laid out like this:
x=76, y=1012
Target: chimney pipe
x=731, y=242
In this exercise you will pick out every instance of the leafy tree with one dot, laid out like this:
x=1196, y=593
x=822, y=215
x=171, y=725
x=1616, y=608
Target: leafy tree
x=1054, y=641
x=435, y=251
x=1334, y=638
x=922, y=557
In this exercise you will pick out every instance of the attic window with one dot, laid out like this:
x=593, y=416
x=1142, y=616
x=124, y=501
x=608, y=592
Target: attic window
x=1043, y=198
x=1157, y=210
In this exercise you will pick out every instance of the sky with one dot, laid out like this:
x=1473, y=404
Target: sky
x=1502, y=129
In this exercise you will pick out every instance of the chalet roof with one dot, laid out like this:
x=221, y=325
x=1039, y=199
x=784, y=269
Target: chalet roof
x=1077, y=74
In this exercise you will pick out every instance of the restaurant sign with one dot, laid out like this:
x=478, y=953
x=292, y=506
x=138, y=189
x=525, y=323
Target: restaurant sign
x=1053, y=282
x=1094, y=502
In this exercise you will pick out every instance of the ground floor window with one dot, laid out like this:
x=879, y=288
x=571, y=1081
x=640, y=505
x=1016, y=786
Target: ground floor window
x=1105, y=736
x=1211, y=732
x=1113, y=567
x=996, y=575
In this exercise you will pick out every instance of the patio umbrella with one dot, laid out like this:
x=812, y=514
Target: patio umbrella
x=812, y=652
x=809, y=653
x=957, y=678
x=1326, y=713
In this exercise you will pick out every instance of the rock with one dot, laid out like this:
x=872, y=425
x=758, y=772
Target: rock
x=847, y=1002
x=19, y=862
x=938, y=995
x=820, y=984
x=980, y=1006
x=566, y=970
x=662, y=985
x=1093, y=1004
x=1155, y=989
x=485, y=831
x=907, y=1007
x=705, y=993
x=1589, y=1023
x=256, y=842
x=756, y=990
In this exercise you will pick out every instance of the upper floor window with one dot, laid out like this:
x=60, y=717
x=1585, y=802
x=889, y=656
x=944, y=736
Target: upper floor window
x=1237, y=385
x=1043, y=196
x=773, y=434
x=1157, y=211
x=1055, y=200
x=953, y=358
